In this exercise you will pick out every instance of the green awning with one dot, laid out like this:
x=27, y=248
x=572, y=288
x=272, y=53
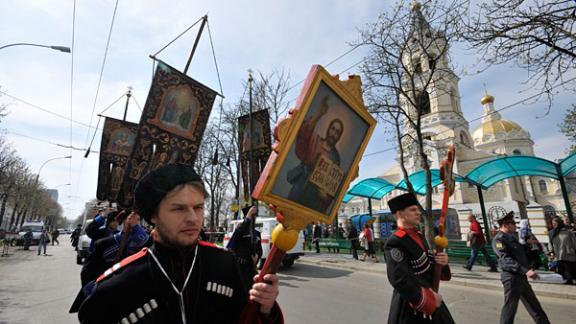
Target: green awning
x=568, y=164
x=493, y=171
x=418, y=181
x=374, y=188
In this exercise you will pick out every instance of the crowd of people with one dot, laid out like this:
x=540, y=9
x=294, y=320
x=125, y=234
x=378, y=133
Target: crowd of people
x=170, y=275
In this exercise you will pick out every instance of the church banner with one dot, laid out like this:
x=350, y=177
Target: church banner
x=117, y=141
x=171, y=127
x=260, y=143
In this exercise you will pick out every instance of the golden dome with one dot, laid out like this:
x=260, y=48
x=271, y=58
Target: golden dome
x=486, y=99
x=493, y=128
x=415, y=5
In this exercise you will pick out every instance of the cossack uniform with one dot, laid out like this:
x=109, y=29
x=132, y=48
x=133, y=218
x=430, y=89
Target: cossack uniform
x=410, y=267
x=162, y=285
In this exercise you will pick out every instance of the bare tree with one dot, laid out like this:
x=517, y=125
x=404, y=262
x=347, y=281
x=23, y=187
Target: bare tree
x=406, y=68
x=211, y=164
x=536, y=35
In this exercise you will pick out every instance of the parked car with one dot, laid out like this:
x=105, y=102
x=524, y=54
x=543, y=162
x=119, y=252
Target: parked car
x=35, y=227
x=64, y=231
x=83, y=245
x=265, y=225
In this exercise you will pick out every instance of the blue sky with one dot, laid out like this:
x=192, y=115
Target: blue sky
x=259, y=35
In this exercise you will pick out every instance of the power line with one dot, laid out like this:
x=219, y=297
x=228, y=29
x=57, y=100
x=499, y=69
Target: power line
x=102, y=67
x=98, y=89
x=46, y=141
x=46, y=110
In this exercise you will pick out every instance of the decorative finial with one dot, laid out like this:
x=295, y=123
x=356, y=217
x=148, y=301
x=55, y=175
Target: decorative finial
x=250, y=75
x=487, y=98
x=416, y=5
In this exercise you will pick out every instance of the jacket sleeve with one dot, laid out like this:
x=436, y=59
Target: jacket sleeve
x=401, y=277
x=505, y=258
x=93, y=266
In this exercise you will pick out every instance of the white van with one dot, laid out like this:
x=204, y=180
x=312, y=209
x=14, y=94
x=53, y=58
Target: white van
x=34, y=227
x=265, y=225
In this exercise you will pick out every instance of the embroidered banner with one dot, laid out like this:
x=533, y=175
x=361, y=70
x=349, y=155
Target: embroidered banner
x=260, y=143
x=117, y=141
x=171, y=127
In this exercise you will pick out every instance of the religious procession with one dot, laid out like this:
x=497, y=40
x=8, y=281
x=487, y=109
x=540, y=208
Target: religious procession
x=292, y=162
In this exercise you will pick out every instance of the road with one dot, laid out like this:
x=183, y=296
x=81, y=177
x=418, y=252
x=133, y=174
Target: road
x=313, y=294
x=40, y=289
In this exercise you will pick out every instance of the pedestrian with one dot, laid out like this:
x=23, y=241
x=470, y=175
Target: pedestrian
x=55, y=234
x=515, y=271
x=478, y=244
x=43, y=240
x=28, y=236
x=531, y=245
x=564, y=246
x=179, y=279
x=335, y=235
x=75, y=236
x=353, y=237
x=108, y=251
x=316, y=236
x=246, y=243
x=368, y=235
x=102, y=227
x=410, y=268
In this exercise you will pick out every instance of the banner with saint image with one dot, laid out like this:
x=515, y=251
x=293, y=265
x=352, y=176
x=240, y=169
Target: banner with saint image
x=117, y=141
x=171, y=127
x=259, y=142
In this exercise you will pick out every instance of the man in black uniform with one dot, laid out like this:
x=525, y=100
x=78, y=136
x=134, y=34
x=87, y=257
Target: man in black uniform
x=179, y=279
x=317, y=236
x=75, y=236
x=106, y=254
x=514, y=264
x=410, y=267
x=246, y=244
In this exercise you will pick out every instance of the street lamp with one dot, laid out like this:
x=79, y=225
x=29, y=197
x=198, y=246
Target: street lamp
x=43, y=164
x=35, y=196
x=57, y=48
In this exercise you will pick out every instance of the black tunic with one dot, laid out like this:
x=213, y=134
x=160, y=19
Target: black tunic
x=139, y=290
x=410, y=271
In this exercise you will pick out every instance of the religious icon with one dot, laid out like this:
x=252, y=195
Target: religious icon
x=121, y=142
x=178, y=111
x=318, y=155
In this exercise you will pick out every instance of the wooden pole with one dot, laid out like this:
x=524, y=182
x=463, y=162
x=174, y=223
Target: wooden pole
x=204, y=20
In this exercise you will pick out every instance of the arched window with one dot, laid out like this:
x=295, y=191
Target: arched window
x=543, y=186
x=431, y=62
x=454, y=99
x=423, y=103
x=464, y=139
x=417, y=65
x=517, y=152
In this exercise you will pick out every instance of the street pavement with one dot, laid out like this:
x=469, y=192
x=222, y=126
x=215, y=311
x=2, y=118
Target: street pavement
x=40, y=289
x=321, y=294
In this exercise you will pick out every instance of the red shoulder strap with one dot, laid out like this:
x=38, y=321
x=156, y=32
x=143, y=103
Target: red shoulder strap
x=400, y=233
x=123, y=263
x=204, y=243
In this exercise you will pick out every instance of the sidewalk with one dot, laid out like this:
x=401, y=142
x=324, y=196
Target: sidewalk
x=479, y=277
